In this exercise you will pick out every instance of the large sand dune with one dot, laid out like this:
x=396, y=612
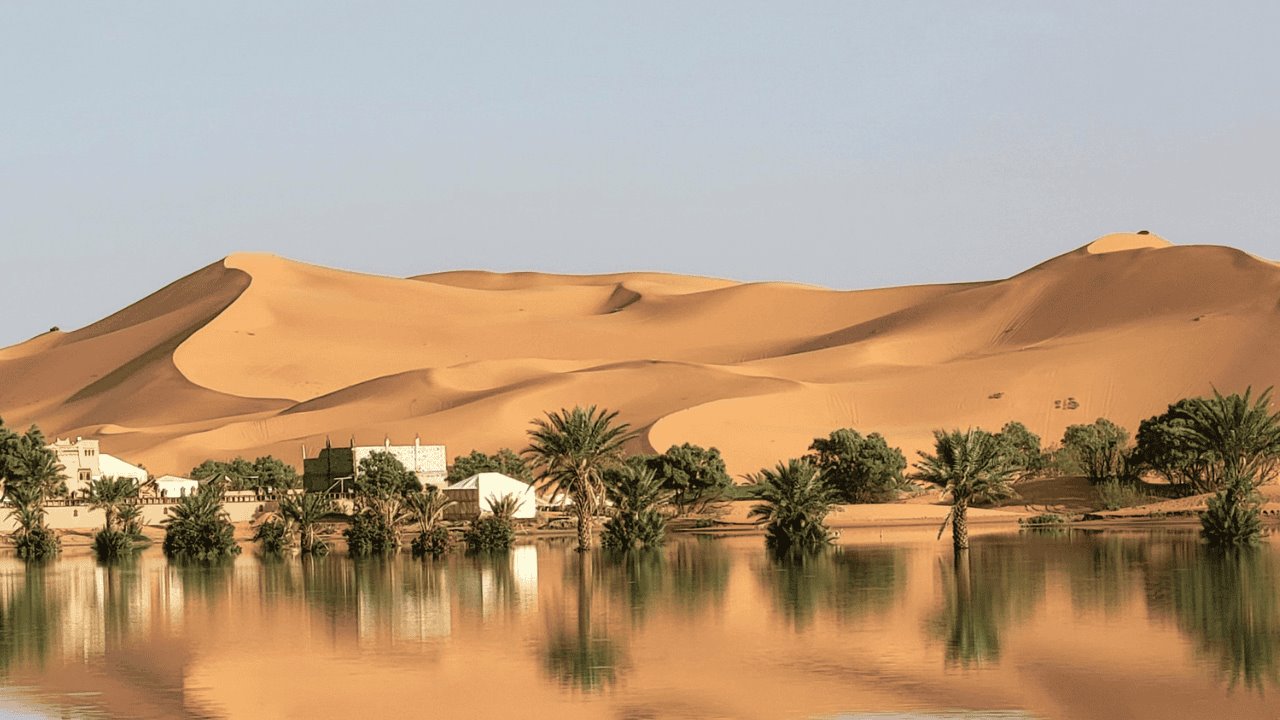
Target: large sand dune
x=257, y=354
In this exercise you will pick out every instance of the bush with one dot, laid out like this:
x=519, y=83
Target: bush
x=38, y=543
x=273, y=536
x=1116, y=494
x=636, y=518
x=858, y=469
x=1097, y=450
x=111, y=544
x=369, y=534
x=198, y=529
x=1043, y=520
x=434, y=542
x=490, y=534
x=1234, y=515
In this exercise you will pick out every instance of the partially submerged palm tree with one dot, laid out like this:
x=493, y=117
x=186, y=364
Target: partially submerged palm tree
x=1242, y=435
x=570, y=451
x=635, y=518
x=971, y=467
x=302, y=515
x=33, y=539
x=115, y=496
x=796, y=501
x=427, y=510
x=198, y=528
x=33, y=476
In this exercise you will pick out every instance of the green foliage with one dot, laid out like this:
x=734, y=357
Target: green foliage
x=1165, y=447
x=859, y=469
x=273, y=536
x=1022, y=447
x=971, y=467
x=694, y=476
x=490, y=533
x=198, y=529
x=265, y=473
x=32, y=475
x=370, y=534
x=1115, y=494
x=795, y=502
x=112, y=544
x=111, y=495
x=1097, y=451
x=504, y=461
x=434, y=542
x=381, y=474
x=302, y=515
x=1044, y=520
x=570, y=452
x=1234, y=515
x=635, y=518
x=1240, y=435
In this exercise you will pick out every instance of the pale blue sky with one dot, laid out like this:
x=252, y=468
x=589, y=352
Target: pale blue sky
x=846, y=144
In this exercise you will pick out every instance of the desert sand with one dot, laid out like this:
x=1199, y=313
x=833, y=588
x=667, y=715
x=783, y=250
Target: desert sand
x=257, y=354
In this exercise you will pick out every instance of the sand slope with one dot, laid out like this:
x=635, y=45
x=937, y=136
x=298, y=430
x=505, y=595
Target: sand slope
x=258, y=354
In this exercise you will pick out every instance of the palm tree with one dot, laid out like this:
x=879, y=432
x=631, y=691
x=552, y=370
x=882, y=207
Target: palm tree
x=427, y=507
x=795, y=503
x=1240, y=432
x=570, y=451
x=198, y=527
x=635, y=519
x=971, y=467
x=110, y=495
x=303, y=514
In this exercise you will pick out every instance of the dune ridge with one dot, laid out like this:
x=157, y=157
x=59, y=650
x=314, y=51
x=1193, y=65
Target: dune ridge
x=257, y=354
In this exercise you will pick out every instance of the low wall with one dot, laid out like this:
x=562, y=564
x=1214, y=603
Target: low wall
x=80, y=517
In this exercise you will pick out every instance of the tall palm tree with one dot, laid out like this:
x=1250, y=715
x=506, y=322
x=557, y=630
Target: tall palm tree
x=110, y=495
x=795, y=503
x=971, y=467
x=303, y=514
x=570, y=451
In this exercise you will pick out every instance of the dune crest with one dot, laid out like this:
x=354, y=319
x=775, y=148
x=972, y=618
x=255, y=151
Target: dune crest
x=260, y=354
x=1122, y=242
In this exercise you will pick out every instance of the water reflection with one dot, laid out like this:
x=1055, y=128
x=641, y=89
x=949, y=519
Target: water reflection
x=705, y=622
x=579, y=652
x=984, y=590
x=1229, y=602
x=850, y=582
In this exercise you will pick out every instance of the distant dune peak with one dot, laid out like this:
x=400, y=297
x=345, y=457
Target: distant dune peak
x=1121, y=242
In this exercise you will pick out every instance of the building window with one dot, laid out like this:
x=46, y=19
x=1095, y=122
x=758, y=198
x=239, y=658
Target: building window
x=84, y=476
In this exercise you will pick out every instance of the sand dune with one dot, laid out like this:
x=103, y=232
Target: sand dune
x=259, y=354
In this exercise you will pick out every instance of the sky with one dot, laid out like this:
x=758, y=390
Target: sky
x=845, y=144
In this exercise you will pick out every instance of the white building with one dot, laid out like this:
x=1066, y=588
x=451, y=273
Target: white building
x=83, y=462
x=172, y=486
x=473, y=495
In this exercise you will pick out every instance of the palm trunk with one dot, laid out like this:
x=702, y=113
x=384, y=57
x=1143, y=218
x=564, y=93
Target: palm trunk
x=584, y=528
x=960, y=527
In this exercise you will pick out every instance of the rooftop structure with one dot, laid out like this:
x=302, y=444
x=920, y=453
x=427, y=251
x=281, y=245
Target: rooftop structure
x=336, y=467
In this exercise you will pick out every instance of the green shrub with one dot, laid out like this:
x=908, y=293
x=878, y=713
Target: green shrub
x=369, y=534
x=273, y=536
x=635, y=518
x=112, y=544
x=38, y=543
x=1115, y=494
x=1234, y=515
x=198, y=528
x=434, y=542
x=795, y=502
x=490, y=533
x=1043, y=520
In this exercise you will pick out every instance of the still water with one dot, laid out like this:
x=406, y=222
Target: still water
x=885, y=625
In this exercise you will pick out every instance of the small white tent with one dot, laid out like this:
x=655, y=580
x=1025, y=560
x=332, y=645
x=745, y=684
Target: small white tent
x=496, y=485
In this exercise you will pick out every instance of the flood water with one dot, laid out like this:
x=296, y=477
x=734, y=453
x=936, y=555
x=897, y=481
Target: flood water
x=885, y=625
